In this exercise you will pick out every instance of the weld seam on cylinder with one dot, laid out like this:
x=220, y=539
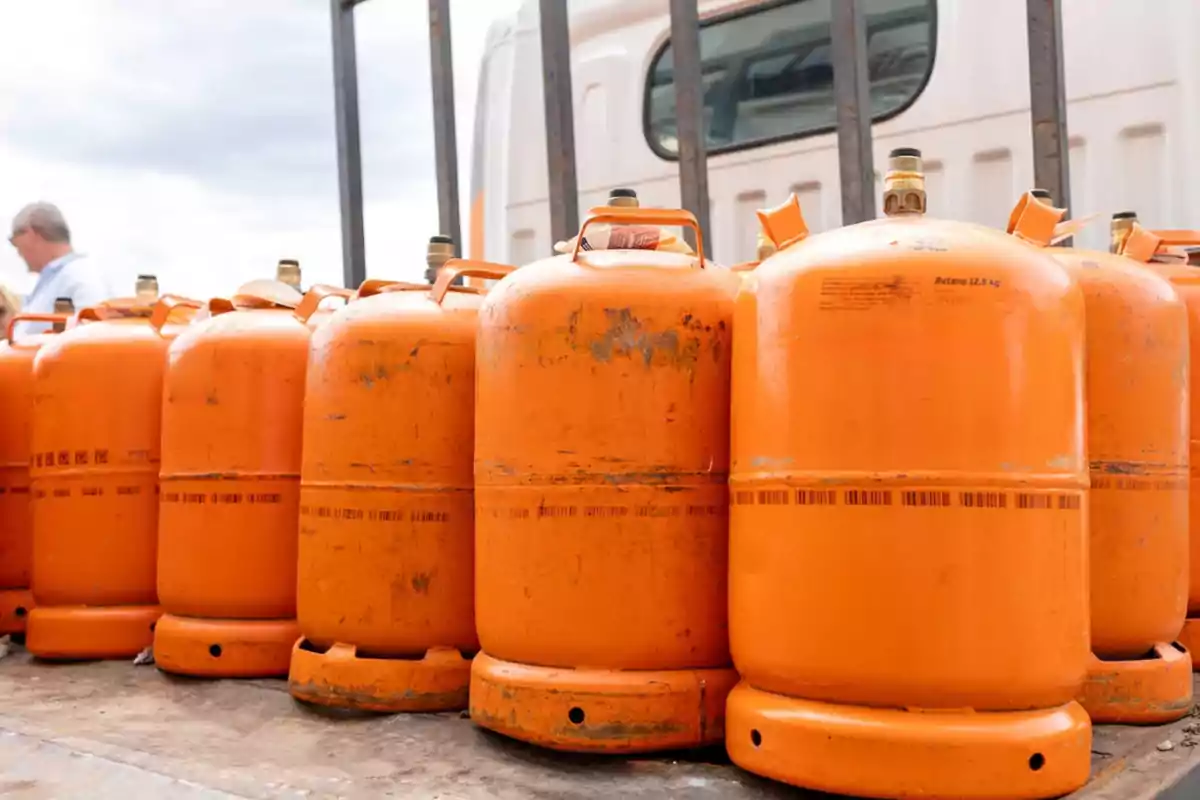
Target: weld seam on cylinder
x=335, y=486
x=229, y=476
x=830, y=480
x=636, y=480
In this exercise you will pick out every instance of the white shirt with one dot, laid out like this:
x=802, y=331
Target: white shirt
x=74, y=276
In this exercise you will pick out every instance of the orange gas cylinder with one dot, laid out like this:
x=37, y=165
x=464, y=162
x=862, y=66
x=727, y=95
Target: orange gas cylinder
x=16, y=518
x=908, y=544
x=231, y=409
x=1137, y=407
x=95, y=441
x=601, y=451
x=386, y=579
x=1158, y=250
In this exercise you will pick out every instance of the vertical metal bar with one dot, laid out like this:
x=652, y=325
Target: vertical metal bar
x=345, y=95
x=445, y=139
x=689, y=117
x=560, y=119
x=852, y=96
x=1048, y=100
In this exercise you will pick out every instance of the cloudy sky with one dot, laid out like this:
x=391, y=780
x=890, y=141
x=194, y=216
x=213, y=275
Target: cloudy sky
x=195, y=138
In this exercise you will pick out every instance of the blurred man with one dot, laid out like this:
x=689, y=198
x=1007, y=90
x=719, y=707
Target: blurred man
x=42, y=238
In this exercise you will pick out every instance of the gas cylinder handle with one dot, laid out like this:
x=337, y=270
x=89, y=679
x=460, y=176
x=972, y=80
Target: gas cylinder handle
x=1178, y=238
x=1034, y=221
x=1062, y=231
x=113, y=309
x=784, y=224
x=52, y=318
x=315, y=295
x=165, y=305
x=1141, y=244
x=221, y=305
x=374, y=286
x=615, y=215
x=247, y=302
x=99, y=313
x=467, y=267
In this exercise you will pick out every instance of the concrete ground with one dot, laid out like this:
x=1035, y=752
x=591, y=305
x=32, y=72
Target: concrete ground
x=112, y=730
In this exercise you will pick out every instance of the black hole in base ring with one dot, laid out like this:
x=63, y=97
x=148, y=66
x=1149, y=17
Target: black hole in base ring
x=1179, y=647
x=152, y=625
x=309, y=647
x=214, y=650
x=20, y=611
x=576, y=715
x=1037, y=761
x=755, y=738
x=1149, y=655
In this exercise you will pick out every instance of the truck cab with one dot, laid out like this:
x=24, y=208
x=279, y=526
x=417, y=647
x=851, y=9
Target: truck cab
x=948, y=76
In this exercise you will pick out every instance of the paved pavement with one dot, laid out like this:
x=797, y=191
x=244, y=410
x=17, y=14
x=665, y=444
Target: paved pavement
x=112, y=730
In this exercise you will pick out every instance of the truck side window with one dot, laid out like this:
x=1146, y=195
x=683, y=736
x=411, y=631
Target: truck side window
x=767, y=72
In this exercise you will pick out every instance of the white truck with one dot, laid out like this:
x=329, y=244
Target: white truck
x=950, y=77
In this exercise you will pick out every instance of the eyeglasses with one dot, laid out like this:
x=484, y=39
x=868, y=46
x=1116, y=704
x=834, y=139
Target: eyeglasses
x=13, y=239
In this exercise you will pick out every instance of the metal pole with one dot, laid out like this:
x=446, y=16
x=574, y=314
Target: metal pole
x=560, y=119
x=345, y=95
x=689, y=117
x=445, y=140
x=851, y=93
x=1048, y=100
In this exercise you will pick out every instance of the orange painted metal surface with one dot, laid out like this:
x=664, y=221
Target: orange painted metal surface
x=600, y=710
x=95, y=444
x=1155, y=252
x=1189, y=637
x=222, y=648
x=601, y=453
x=231, y=410
x=16, y=515
x=386, y=580
x=1151, y=690
x=1138, y=438
x=908, y=540
x=986, y=756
